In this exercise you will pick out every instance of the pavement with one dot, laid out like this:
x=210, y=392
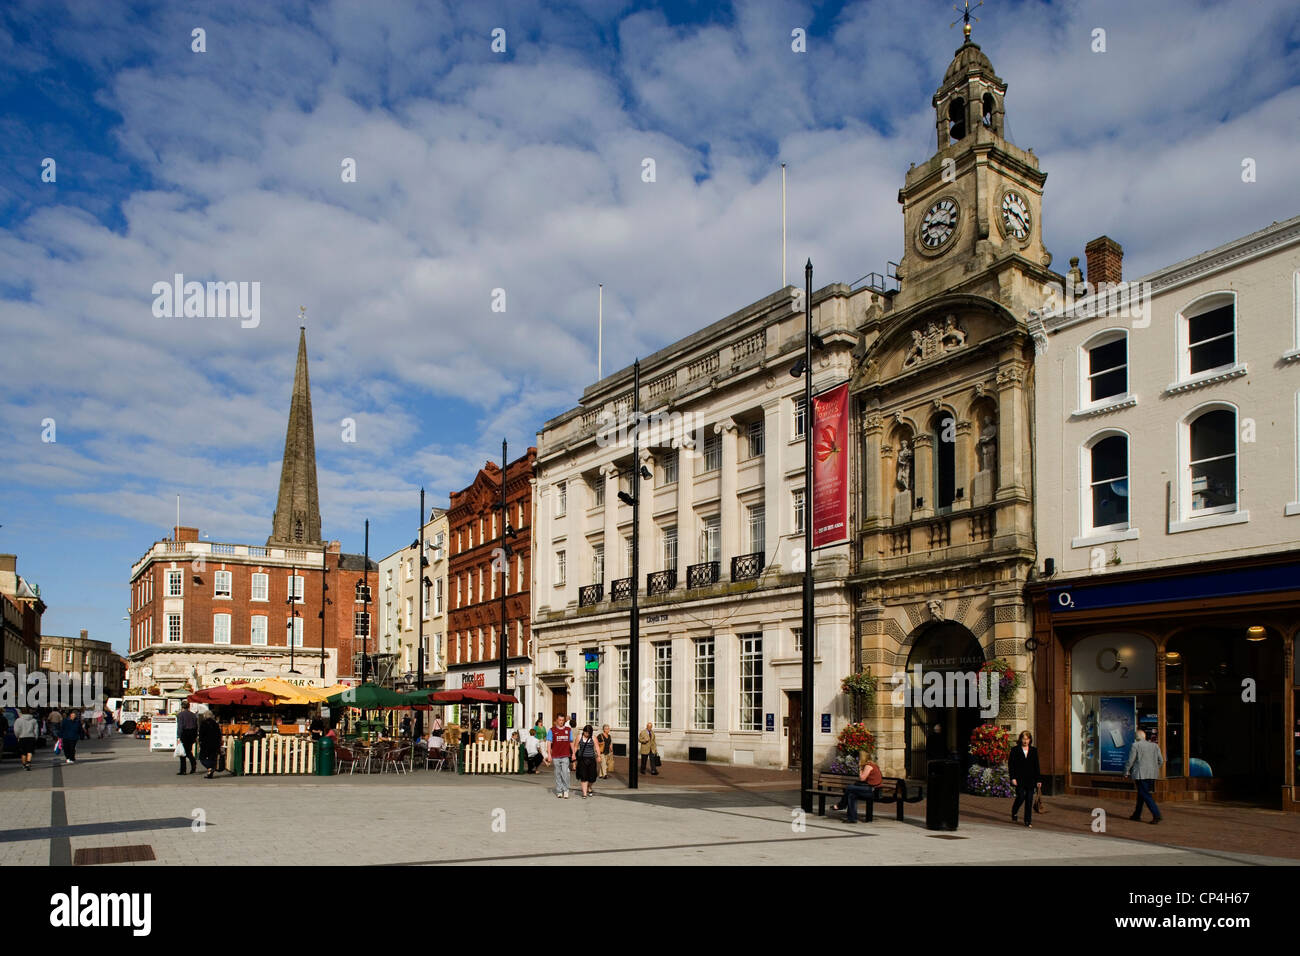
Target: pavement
x=118, y=795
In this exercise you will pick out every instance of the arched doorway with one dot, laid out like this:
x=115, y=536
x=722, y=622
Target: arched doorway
x=943, y=647
x=1224, y=709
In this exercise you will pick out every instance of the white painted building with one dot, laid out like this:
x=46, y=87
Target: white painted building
x=1168, y=476
x=721, y=517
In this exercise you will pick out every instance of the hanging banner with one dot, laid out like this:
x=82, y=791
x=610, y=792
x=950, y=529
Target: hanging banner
x=830, y=512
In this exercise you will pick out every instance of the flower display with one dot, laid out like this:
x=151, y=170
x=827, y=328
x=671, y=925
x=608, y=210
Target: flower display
x=989, y=781
x=1008, y=679
x=860, y=685
x=855, y=738
x=990, y=745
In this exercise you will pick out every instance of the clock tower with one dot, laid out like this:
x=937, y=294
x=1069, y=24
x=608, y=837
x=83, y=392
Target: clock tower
x=973, y=209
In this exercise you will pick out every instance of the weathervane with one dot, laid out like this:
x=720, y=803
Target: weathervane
x=302, y=309
x=966, y=18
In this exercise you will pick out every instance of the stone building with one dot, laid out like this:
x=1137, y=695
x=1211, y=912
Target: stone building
x=22, y=606
x=82, y=655
x=721, y=541
x=399, y=630
x=943, y=387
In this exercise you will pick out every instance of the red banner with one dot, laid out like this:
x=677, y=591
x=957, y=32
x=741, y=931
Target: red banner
x=830, y=511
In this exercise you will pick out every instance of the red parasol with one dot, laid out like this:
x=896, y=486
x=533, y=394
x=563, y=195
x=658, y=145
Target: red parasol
x=230, y=694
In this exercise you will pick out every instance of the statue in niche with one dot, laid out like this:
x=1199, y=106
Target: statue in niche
x=903, y=472
x=988, y=445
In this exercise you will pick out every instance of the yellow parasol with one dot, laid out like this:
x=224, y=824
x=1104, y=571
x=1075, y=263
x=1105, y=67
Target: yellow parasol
x=287, y=693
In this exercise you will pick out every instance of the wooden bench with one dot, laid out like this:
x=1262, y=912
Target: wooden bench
x=892, y=789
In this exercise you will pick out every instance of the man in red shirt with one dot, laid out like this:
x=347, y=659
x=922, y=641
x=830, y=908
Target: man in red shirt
x=870, y=777
x=558, y=751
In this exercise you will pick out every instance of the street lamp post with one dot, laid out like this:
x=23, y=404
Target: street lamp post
x=293, y=621
x=365, y=637
x=503, y=634
x=633, y=649
x=809, y=633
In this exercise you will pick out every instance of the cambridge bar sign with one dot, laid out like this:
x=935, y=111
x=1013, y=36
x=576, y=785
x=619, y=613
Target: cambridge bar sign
x=830, y=511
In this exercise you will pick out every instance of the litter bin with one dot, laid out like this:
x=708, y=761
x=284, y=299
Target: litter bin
x=237, y=756
x=943, y=788
x=523, y=759
x=324, y=757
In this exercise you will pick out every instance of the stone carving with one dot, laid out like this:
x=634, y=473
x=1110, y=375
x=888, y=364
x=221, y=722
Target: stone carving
x=903, y=471
x=936, y=610
x=935, y=341
x=1009, y=376
x=988, y=445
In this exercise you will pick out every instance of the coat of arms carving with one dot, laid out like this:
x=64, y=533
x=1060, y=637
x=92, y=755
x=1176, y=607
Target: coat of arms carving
x=936, y=340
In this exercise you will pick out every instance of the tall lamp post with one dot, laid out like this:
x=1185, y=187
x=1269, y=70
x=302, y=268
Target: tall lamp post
x=633, y=650
x=503, y=634
x=365, y=637
x=324, y=569
x=804, y=367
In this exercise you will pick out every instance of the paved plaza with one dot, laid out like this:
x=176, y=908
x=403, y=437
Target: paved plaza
x=120, y=795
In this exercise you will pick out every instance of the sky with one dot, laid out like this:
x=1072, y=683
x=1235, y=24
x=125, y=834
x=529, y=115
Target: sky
x=516, y=169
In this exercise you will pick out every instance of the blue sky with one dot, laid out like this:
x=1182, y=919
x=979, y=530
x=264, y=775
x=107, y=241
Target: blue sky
x=522, y=171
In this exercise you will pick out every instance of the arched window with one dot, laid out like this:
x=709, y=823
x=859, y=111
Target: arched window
x=988, y=109
x=1106, y=502
x=957, y=119
x=1211, y=466
x=1103, y=371
x=943, y=431
x=1207, y=333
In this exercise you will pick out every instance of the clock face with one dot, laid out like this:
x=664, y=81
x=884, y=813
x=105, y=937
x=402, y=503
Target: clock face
x=939, y=224
x=1015, y=215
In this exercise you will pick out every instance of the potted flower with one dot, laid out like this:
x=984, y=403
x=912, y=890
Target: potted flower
x=990, y=746
x=855, y=739
x=1008, y=679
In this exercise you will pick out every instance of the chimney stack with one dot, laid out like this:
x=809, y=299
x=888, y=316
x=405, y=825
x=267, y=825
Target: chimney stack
x=1105, y=261
x=192, y=534
x=84, y=634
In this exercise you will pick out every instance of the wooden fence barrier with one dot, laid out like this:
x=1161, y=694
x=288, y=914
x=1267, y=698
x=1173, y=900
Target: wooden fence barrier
x=495, y=756
x=275, y=755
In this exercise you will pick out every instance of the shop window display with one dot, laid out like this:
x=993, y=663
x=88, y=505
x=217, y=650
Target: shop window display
x=1113, y=694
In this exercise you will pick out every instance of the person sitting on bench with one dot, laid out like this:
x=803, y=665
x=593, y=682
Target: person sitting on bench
x=870, y=777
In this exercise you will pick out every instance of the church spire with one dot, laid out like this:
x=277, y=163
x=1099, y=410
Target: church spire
x=297, y=512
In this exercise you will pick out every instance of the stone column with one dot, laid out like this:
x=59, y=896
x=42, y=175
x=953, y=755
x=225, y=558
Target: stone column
x=613, y=547
x=1011, y=425
x=961, y=461
x=651, y=547
x=876, y=499
x=729, y=507
x=686, y=530
x=774, y=507
x=923, y=467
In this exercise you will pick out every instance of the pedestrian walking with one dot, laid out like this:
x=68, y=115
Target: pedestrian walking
x=587, y=756
x=1144, y=763
x=26, y=730
x=649, y=748
x=559, y=749
x=1023, y=767
x=605, y=745
x=209, y=745
x=406, y=727
x=533, y=749
x=187, y=726
x=53, y=721
x=70, y=733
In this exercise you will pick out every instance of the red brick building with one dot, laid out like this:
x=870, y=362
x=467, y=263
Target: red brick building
x=204, y=613
x=474, y=605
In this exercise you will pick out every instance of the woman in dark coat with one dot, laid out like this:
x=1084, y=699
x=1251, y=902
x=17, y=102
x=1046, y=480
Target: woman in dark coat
x=209, y=745
x=1022, y=766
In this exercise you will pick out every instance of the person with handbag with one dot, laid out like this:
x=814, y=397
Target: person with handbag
x=209, y=745
x=587, y=756
x=69, y=734
x=649, y=748
x=1023, y=768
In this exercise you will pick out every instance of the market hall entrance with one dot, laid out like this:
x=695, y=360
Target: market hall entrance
x=943, y=647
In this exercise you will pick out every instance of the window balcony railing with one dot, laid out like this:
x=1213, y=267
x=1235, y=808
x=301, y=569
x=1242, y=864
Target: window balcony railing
x=702, y=575
x=746, y=567
x=591, y=594
x=620, y=589
x=661, y=582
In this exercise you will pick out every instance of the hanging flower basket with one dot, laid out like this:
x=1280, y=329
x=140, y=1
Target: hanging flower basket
x=861, y=687
x=855, y=738
x=1009, y=680
x=990, y=745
